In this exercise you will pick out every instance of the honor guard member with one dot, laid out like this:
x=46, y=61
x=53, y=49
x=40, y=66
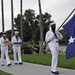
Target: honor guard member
x=4, y=42
x=16, y=41
x=52, y=38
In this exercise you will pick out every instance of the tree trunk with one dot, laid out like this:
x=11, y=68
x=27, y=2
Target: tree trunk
x=41, y=27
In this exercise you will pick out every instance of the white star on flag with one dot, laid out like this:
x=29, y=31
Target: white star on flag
x=71, y=40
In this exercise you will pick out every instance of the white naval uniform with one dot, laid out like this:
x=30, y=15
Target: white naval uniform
x=54, y=47
x=16, y=49
x=4, y=50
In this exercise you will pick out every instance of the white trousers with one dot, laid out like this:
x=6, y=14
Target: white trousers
x=4, y=51
x=15, y=51
x=54, y=52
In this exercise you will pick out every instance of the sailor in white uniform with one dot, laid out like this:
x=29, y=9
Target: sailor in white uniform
x=16, y=42
x=52, y=38
x=4, y=41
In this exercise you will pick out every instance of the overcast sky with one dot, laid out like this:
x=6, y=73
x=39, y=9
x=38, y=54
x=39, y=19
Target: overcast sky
x=59, y=9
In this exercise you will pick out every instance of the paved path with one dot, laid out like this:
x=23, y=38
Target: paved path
x=33, y=69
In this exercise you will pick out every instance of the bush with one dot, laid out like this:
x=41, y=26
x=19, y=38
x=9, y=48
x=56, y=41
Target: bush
x=29, y=48
x=26, y=49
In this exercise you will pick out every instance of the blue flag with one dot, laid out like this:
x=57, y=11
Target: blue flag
x=69, y=28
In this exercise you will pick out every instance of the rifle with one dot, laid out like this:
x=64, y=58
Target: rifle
x=46, y=44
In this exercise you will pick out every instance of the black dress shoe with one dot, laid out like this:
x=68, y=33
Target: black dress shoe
x=55, y=72
x=20, y=63
x=15, y=63
x=9, y=64
x=2, y=65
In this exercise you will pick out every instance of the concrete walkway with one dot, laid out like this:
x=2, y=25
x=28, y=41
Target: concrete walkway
x=33, y=69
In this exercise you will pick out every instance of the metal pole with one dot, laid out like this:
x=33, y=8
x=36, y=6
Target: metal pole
x=2, y=15
x=66, y=19
x=12, y=22
x=41, y=27
x=21, y=20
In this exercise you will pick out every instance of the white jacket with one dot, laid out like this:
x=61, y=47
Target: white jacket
x=1, y=41
x=13, y=40
x=51, y=37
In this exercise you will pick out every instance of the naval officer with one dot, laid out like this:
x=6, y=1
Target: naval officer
x=52, y=38
x=4, y=42
x=16, y=42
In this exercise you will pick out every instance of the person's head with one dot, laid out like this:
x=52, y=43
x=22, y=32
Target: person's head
x=4, y=34
x=16, y=33
x=53, y=26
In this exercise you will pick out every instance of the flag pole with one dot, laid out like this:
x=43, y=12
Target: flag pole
x=66, y=19
x=2, y=8
x=41, y=27
x=21, y=20
x=12, y=22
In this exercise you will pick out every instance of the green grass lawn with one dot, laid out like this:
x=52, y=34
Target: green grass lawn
x=46, y=60
x=4, y=73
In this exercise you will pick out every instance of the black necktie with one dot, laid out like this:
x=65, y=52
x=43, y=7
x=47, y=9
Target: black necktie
x=4, y=38
x=17, y=38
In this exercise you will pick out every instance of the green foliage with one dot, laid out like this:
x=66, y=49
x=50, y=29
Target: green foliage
x=9, y=34
x=29, y=48
x=30, y=16
x=64, y=41
x=26, y=48
x=66, y=63
x=46, y=60
x=4, y=73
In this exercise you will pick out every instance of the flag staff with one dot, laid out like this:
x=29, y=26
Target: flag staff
x=2, y=8
x=21, y=19
x=66, y=19
x=12, y=22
